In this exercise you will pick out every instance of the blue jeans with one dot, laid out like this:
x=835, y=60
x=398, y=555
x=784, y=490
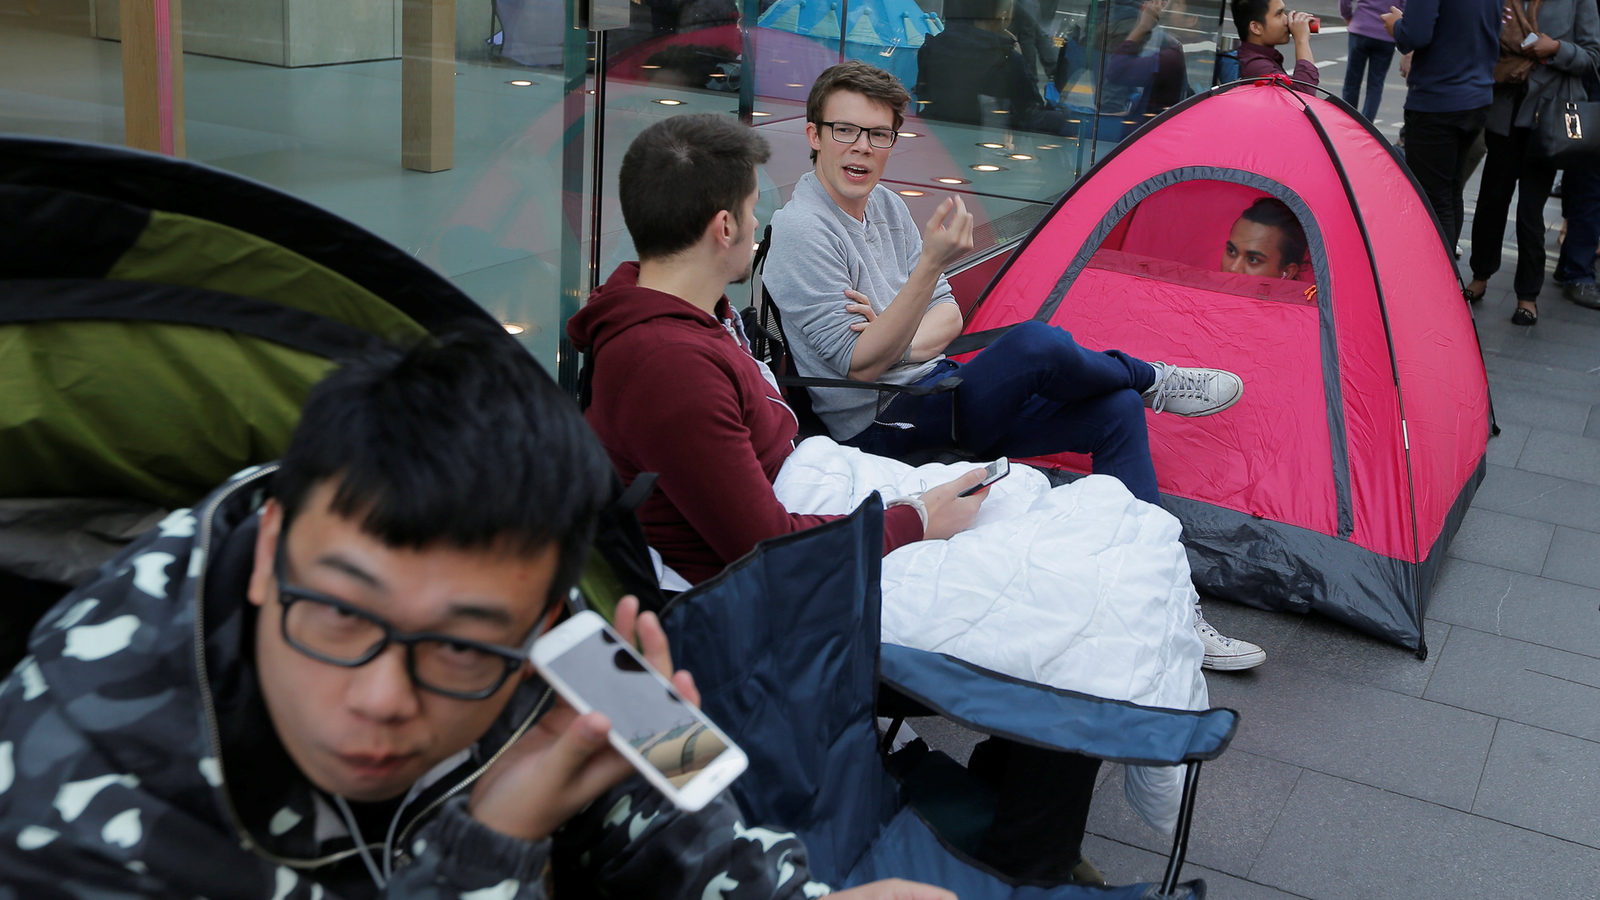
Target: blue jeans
x=1032, y=392
x=1374, y=56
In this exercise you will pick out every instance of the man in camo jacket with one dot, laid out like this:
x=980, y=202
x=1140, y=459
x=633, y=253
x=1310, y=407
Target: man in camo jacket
x=189, y=723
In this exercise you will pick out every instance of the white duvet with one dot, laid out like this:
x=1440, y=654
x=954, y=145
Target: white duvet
x=1081, y=587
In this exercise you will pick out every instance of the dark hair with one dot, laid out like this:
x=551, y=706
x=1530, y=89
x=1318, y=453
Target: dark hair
x=1274, y=213
x=1247, y=11
x=869, y=81
x=679, y=173
x=462, y=440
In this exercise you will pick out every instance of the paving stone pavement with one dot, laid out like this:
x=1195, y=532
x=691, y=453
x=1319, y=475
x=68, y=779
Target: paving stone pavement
x=1360, y=771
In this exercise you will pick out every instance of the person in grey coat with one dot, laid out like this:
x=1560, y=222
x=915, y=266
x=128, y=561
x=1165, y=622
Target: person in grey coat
x=314, y=685
x=1564, y=45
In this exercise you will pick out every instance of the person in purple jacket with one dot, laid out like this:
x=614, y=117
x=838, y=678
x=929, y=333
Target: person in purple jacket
x=1263, y=26
x=1371, y=51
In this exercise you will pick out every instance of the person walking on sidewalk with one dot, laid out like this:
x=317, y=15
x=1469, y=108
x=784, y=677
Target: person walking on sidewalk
x=1580, y=206
x=1455, y=43
x=1371, y=52
x=1546, y=47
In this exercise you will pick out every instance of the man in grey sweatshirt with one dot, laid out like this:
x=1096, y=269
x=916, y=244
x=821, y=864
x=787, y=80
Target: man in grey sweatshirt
x=863, y=296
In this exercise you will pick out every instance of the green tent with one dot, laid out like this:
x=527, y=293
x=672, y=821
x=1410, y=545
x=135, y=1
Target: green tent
x=160, y=325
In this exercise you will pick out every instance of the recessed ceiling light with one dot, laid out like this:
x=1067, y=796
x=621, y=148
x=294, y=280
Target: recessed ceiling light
x=670, y=102
x=521, y=83
x=910, y=134
x=992, y=145
x=1020, y=156
x=758, y=114
x=1001, y=112
x=1074, y=121
x=911, y=193
x=718, y=75
x=794, y=84
x=985, y=167
x=649, y=67
x=952, y=181
x=515, y=327
x=1049, y=146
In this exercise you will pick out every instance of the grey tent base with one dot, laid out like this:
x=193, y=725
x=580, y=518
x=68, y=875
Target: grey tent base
x=1285, y=568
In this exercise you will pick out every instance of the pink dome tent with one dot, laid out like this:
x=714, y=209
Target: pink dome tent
x=1337, y=481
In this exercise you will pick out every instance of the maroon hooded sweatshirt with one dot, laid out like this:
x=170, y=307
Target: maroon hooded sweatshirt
x=675, y=392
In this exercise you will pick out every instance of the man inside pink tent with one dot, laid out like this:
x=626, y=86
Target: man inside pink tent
x=863, y=296
x=1267, y=241
x=1264, y=25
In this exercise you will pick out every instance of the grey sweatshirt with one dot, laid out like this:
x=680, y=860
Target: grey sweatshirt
x=818, y=251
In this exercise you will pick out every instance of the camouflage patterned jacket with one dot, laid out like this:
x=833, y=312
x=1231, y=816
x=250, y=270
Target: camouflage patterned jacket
x=137, y=760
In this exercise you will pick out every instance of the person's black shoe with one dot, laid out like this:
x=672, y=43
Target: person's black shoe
x=1525, y=316
x=1585, y=295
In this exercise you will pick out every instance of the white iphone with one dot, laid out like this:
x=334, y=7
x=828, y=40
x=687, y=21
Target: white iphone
x=669, y=741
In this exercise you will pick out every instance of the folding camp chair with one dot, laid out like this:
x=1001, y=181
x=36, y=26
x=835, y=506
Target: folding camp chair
x=787, y=656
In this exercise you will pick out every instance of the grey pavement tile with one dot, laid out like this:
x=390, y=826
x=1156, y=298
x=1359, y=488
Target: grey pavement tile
x=1542, y=497
x=1323, y=645
x=1505, y=447
x=1266, y=628
x=1520, y=681
x=1592, y=430
x=1506, y=541
x=1239, y=798
x=1124, y=864
x=1574, y=556
x=1543, y=781
x=1525, y=607
x=1563, y=455
x=1534, y=406
x=1377, y=737
x=1557, y=361
x=941, y=734
x=1339, y=839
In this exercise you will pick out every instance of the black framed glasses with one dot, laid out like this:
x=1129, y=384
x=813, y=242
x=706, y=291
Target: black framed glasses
x=846, y=133
x=333, y=631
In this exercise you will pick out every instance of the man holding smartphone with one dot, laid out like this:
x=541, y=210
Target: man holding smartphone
x=314, y=684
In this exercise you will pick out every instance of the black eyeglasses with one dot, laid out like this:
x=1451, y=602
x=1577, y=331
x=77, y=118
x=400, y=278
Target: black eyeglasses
x=336, y=632
x=846, y=133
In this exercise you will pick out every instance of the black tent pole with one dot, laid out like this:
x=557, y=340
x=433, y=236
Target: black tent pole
x=597, y=178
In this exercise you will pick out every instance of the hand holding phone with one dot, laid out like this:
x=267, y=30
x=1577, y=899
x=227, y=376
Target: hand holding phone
x=993, y=472
x=565, y=760
x=654, y=724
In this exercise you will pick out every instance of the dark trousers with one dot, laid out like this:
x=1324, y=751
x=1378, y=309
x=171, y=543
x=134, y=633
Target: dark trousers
x=1580, y=204
x=1436, y=145
x=1037, y=835
x=1032, y=392
x=1373, y=56
x=1509, y=169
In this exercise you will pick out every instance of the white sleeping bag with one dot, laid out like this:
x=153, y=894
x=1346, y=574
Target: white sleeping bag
x=1081, y=587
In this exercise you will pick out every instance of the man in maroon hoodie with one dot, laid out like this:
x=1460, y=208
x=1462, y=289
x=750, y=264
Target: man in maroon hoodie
x=675, y=388
x=1265, y=24
x=676, y=391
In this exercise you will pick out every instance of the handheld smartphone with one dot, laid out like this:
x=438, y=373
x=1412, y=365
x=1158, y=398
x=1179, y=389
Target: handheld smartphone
x=995, y=471
x=1530, y=40
x=670, y=742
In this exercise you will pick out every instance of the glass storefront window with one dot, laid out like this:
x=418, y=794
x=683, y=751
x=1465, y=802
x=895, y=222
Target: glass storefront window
x=1013, y=101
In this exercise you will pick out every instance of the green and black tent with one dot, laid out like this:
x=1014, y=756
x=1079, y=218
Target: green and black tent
x=160, y=325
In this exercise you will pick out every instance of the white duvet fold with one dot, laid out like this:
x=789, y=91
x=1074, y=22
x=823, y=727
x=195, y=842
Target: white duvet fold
x=1081, y=587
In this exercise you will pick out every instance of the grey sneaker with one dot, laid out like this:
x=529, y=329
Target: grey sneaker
x=1225, y=654
x=1187, y=391
x=1587, y=294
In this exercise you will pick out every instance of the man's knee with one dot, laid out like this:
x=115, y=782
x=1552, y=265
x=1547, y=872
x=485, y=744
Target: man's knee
x=1124, y=409
x=1036, y=341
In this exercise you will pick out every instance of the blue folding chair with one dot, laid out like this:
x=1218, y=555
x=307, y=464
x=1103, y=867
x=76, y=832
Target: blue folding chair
x=785, y=647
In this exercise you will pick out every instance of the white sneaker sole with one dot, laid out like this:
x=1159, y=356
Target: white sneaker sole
x=1209, y=412
x=1234, y=663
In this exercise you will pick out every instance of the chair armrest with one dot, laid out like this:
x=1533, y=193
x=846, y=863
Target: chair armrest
x=1042, y=716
